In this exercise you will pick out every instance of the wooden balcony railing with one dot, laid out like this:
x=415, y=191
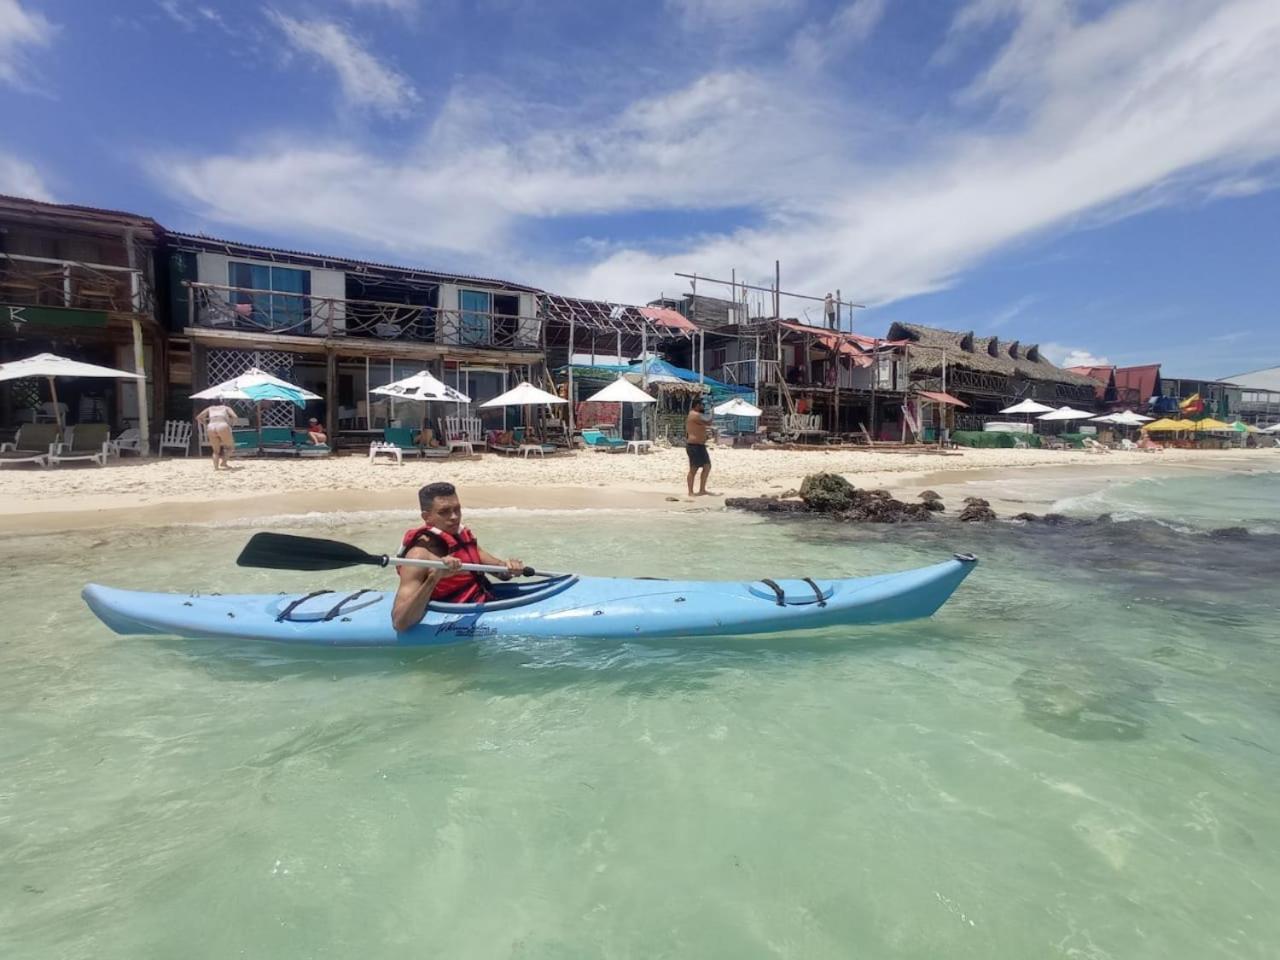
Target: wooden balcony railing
x=46, y=282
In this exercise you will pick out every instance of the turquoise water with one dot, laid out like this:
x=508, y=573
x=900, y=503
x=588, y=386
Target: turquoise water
x=1078, y=757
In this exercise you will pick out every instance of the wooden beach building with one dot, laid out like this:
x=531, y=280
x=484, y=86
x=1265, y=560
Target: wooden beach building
x=986, y=373
x=341, y=327
x=81, y=282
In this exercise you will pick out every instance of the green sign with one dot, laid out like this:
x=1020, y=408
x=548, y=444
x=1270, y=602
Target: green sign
x=54, y=317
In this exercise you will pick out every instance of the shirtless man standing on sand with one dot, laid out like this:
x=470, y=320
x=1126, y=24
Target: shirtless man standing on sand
x=695, y=430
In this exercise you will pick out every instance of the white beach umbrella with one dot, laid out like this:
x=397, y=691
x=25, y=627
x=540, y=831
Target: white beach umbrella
x=621, y=391
x=255, y=384
x=1066, y=413
x=524, y=394
x=737, y=407
x=1129, y=419
x=1274, y=428
x=1027, y=406
x=51, y=366
x=422, y=386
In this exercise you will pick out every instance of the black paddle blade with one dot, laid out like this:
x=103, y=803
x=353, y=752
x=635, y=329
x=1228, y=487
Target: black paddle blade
x=280, y=551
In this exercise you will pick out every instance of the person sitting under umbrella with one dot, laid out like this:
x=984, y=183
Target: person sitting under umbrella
x=316, y=432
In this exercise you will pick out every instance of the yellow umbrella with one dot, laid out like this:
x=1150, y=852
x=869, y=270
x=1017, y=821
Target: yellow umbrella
x=1208, y=423
x=1241, y=427
x=1165, y=426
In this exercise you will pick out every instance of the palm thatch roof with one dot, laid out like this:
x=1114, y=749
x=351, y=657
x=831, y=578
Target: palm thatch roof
x=1007, y=358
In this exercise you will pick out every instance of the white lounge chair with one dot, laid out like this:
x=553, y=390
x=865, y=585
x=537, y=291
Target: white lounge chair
x=130, y=440
x=1126, y=444
x=1093, y=446
x=177, y=434
x=88, y=441
x=33, y=443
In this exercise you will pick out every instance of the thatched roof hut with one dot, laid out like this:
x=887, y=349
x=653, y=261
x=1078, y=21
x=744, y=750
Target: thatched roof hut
x=982, y=354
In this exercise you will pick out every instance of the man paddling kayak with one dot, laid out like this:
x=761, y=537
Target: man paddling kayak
x=441, y=536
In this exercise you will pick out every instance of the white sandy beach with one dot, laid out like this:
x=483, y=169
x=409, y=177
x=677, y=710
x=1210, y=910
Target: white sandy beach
x=177, y=489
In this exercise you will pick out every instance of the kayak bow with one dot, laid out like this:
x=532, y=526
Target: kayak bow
x=562, y=606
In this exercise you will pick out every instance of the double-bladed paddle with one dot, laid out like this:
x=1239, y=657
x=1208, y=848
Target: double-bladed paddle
x=282, y=551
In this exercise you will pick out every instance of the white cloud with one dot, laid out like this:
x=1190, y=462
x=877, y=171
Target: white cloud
x=397, y=6
x=18, y=178
x=365, y=80
x=463, y=190
x=851, y=24
x=729, y=13
x=1139, y=107
x=1241, y=187
x=20, y=29
x=1065, y=356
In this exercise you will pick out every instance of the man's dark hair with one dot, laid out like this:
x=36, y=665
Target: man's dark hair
x=697, y=405
x=428, y=494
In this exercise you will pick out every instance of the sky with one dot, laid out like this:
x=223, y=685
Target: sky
x=1099, y=178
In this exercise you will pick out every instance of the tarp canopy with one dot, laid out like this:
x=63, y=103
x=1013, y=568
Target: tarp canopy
x=938, y=396
x=524, y=394
x=737, y=407
x=258, y=385
x=422, y=386
x=621, y=391
x=1028, y=406
x=1067, y=413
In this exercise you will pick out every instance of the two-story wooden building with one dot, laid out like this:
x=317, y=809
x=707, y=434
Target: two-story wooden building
x=341, y=327
x=79, y=282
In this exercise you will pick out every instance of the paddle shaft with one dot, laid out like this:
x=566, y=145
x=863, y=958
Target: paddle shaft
x=441, y=565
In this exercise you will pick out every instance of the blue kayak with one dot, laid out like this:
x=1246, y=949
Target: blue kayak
x=562, y=606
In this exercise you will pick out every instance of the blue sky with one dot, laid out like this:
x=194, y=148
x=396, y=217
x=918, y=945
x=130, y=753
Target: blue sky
x=1097, y=177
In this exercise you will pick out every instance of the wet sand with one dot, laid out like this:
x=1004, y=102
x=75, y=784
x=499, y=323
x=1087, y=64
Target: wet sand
x=186, y=490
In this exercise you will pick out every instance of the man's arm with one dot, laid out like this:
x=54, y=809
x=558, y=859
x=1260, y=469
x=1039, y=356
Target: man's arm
x=513, y=566
x=416, y=586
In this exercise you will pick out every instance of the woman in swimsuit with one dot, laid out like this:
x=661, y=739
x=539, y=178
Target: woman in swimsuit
x=219, y=418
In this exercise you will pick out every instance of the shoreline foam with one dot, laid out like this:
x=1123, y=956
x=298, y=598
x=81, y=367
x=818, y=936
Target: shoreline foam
x=187, y=490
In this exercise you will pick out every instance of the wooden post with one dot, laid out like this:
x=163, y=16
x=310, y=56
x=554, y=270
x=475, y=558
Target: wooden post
x=777, y=289
x=331, y=396
x=140, y=366
x=570, y=396
x=644, y=380
x=875, y=380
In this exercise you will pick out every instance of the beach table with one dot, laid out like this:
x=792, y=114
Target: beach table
x=527, y=448
x=639, y=446
x=390, y=449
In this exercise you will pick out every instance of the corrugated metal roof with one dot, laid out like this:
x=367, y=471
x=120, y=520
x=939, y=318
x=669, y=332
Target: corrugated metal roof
x=443, y=276
x=666, y=317
x=39, y=206
x=937, y=396
x=1144, y=379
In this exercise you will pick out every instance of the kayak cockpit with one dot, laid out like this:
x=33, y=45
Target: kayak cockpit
x=511, y=594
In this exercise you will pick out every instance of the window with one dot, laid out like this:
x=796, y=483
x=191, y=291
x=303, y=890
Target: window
x=474, y=307
x=287, y=306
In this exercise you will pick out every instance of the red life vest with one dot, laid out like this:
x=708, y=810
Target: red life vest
x=461, y=587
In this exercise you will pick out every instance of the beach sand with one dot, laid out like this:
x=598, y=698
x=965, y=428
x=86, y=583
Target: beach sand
x=184, y=490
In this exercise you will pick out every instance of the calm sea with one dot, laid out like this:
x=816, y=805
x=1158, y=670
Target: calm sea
x=1078, y=757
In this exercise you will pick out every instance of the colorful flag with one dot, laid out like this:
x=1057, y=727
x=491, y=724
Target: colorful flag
x=1193, y=404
